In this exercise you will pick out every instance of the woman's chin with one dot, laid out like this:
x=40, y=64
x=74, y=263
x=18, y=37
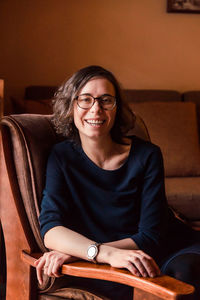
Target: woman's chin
x=97, y=135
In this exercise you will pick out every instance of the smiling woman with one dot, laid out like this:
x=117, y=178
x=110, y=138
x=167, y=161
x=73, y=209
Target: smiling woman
x=97, y=120
x=104, y=198
x=69, y=94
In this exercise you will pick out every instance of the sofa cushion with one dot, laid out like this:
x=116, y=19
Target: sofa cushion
x=139, y=129
x=193, y=96
x=144, y=95
x=183, y=195
x=39, y=92
x=173, y=126
x=43, y=107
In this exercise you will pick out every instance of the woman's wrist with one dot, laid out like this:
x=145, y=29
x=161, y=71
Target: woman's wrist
x=104, y=254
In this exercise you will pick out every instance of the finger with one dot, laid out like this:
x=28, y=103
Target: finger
x=140, y=267
x=133, y=269
x=53, y=267
x=48, y=269
x=60, y=261
x=156, y=267
x=36, y=262
x=39, y=270
x=150, y=266
x=56, y=268
x=47, y=262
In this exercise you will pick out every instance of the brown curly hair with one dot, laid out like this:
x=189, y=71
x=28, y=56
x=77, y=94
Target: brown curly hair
x=65, y=96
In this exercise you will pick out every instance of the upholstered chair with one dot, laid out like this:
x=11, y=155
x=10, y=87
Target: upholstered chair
x=27, y=140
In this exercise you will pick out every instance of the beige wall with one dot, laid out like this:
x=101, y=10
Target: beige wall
x=44, y=41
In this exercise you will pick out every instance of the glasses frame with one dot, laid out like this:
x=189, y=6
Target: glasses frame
x=95, y=99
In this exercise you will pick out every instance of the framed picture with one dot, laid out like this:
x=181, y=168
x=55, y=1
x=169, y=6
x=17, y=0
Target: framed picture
x=183, y=6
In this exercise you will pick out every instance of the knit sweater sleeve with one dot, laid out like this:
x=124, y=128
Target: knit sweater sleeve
x=55, y=196
x=153, y=213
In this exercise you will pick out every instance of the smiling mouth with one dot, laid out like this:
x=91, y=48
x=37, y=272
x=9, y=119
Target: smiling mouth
x=95, y=122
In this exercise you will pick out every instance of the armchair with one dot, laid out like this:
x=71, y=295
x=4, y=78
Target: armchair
x=27, y=140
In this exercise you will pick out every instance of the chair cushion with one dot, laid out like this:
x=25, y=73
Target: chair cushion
x=72, y=293
x=173, y=126
x=183, y=195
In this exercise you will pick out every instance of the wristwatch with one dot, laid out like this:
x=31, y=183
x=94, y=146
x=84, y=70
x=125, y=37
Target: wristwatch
x=93, y=251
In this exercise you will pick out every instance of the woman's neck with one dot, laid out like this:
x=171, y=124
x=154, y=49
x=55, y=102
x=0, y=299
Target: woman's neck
x=99, y=149
x=105, y=153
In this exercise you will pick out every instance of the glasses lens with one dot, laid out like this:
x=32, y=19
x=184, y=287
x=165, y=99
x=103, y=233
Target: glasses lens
x=85, y=101
x=107, y=102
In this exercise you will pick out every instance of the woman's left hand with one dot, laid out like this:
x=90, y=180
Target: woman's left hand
x=51, y=262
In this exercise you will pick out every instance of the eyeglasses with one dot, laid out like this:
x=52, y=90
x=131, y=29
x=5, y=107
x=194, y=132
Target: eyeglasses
x=86, y=101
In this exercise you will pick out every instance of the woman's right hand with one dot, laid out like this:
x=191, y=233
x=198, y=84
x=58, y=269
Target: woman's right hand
x=50, y=263
x=136, y=261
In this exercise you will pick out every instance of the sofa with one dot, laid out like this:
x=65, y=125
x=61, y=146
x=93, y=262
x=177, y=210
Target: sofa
x=173, y=122
x=173, y=125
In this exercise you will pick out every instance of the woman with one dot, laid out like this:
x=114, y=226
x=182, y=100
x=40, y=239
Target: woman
x=104, y=199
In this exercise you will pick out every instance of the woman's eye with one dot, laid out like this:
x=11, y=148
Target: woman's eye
x=106, y=100
x=85, y=99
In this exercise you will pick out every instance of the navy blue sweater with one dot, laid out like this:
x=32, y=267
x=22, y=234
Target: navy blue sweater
x=107, y=205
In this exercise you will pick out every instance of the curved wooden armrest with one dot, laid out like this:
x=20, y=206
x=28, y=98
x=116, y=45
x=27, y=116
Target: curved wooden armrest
x=162, y=286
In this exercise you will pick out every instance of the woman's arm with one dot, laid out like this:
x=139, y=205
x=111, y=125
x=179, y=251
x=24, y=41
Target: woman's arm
x=69, y=246
x=68, y=241
x=153, y=211
x=137, y=262
x=72, y=243
x=56, y=237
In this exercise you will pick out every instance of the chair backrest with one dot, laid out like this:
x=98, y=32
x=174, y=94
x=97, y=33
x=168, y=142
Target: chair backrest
x=1, y=97
x=27, y=141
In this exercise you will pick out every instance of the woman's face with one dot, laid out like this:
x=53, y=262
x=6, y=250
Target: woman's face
x=95, y=122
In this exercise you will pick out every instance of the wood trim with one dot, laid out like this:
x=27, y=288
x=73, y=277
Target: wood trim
x=18, y=273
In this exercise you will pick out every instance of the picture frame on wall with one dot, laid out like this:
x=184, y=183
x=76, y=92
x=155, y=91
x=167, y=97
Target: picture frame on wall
x=183, y=6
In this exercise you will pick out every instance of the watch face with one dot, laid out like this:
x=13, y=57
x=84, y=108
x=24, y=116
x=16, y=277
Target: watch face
x=92, y=250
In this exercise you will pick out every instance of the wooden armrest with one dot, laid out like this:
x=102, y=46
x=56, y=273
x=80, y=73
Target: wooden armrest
x=162, y=286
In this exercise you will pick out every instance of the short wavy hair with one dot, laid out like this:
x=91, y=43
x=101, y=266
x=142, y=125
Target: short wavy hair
x=64, y=98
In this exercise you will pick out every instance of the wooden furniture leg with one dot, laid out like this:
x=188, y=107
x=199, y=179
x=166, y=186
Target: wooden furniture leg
x=2, y=266
x=141, y=295
x=18, y=273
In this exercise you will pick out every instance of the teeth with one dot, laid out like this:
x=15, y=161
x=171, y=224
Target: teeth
x=94, y=122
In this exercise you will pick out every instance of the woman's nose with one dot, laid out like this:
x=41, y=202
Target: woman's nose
x=96, y=106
